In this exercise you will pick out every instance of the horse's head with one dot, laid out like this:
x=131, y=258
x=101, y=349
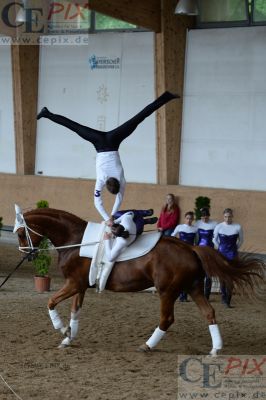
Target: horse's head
x=28, y=238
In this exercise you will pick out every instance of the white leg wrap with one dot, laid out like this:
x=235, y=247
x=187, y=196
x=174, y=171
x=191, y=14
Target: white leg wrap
x=65, y=342
x=74, y=325
x=56, y=320
x=155, y=338
x=217, y=342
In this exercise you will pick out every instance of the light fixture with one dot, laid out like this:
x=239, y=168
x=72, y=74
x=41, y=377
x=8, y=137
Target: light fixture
x=187, y=7
x=25, y=13
x=21, y=15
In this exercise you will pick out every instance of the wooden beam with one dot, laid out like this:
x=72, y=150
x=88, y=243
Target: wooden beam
x=25, y=68
x=170, y=48
x=138, y=12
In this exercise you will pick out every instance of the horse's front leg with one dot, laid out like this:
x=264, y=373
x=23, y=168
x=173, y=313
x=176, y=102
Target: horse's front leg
x=72, y=330
x=166, y=320
x=68, y=290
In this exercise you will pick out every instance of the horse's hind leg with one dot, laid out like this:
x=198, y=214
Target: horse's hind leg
x=208, y=312
x=72, y=330
x=166, y=320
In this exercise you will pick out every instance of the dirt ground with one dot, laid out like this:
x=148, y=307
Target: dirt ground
x=103, y=363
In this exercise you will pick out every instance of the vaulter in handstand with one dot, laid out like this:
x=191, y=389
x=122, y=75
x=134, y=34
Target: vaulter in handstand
x=109, y=170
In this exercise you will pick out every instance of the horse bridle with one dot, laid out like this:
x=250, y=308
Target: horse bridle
x=21, y=223
x=28, y=237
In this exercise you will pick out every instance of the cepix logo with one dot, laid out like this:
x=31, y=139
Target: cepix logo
x=224, y=377
x=33, y=18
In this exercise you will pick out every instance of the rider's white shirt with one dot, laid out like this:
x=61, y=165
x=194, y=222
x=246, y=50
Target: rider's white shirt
x=108, y=164
x=113, y=250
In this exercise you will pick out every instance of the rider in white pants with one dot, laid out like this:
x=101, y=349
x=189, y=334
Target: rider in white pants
x=125, y=232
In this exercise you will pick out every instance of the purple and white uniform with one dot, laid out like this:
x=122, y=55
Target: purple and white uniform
x=205, y=232
x=186, y=233
x=108, y=164
x=228, y=238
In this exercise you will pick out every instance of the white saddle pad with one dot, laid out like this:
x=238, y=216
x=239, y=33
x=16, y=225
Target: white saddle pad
x=142, y=245
x=93, y=247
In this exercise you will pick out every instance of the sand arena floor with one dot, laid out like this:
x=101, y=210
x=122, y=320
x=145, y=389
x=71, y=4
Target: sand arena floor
x=103, y=363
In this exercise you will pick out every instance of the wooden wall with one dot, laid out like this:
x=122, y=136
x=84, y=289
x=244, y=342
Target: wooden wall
x=76, y=196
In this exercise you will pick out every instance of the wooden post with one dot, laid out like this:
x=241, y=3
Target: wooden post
x=25, y=68
x=170, y=49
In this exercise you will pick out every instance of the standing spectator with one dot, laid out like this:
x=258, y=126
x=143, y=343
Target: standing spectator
x=169, y=216
x=204, y=238
x=187, y=233
x=228, y=237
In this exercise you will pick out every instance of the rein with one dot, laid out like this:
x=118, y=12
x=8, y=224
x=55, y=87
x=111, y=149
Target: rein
x=64, y=247
x=22, y=223
x=59, y=247
x=18, y=265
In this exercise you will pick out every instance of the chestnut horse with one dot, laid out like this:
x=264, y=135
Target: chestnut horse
x=171, y=266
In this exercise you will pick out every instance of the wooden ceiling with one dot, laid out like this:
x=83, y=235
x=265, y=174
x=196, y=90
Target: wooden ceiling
x=144, y=13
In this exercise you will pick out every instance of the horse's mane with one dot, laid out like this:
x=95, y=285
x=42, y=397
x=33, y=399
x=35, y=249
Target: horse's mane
x=56, y=214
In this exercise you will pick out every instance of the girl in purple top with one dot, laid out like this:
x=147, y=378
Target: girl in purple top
x=228, y=237
x=204, y=238
x=187, y=233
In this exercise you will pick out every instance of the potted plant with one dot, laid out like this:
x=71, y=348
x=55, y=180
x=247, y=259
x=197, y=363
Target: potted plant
x=42, y=261
x=201, y=202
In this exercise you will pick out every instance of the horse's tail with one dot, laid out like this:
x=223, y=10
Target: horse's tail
x=242, y=274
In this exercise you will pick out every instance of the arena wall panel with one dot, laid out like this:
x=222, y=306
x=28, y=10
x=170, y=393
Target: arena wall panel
x=76, y=196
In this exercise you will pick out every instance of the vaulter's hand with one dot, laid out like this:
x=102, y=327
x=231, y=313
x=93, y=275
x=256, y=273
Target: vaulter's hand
x=107, y=236
x=110, y=222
